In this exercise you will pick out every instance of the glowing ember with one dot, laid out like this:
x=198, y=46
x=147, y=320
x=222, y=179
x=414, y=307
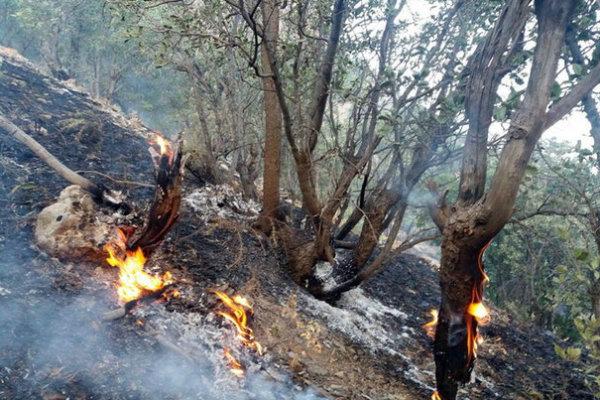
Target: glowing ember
x=436, y=396
x=237, y=315
x=133, y=280
x=431, y=325
x=235, y=366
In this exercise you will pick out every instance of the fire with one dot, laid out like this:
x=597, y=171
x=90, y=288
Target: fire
x=480, y=312
x=235, y=366
x=239, y=318
x=237, y=314
x=436, y=396
x=431, y=325
x=477, y=310
x=164, y=146
x=133, y=280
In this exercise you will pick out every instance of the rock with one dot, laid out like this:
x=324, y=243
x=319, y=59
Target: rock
x=70, y=228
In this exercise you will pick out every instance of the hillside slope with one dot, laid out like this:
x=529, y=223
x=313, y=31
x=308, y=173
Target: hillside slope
x=53, y=344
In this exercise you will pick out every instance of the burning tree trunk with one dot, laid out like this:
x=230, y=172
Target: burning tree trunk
x=164, y=210
x=476, y=217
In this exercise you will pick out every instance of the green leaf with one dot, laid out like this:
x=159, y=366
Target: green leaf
x=556, y=91
x=500, y=113
x=581, y=254
x=573, y=353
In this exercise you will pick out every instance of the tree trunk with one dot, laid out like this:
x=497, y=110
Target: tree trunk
x=595, y=298
x=476, y=218
x=272, y=156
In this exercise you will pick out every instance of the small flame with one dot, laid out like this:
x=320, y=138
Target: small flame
x=164, y=146
x=239, y=307
x=133, y=280
x=480, y=312
x=234, y=365
x=436, y=396
x=477, y=310
x=431, y=325
x=239, y=318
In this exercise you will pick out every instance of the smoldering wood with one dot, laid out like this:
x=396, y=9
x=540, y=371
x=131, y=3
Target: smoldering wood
x=164, y=209
x=131, y=305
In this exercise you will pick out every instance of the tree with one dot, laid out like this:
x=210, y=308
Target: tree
x=272, y=154
x=477, y=215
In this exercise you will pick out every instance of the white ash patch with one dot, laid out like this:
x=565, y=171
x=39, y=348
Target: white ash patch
x=221, y=201
x=324, y=273
x=4, y=292
x=202, y=338
x=361, y=318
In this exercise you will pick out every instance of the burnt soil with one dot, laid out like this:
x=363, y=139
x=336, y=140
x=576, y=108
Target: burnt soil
x=53, y=344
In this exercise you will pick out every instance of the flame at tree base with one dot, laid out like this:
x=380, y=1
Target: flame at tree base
x=133, y=280
x=475, y=314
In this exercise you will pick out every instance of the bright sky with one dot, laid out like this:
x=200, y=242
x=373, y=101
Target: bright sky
x=573, y=128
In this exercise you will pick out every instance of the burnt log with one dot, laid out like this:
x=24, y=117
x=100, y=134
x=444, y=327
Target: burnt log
x=131, y=305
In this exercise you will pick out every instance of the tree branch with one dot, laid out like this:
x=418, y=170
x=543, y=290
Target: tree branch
x=570, y=100
x=99, y=192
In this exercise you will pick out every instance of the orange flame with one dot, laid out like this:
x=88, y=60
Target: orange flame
x=436, y=396
x=234, y=365
x=238, y=317
x=431, y=325
x=164, y=146
x=133, y=280
x=477, y=310
x=480, y=312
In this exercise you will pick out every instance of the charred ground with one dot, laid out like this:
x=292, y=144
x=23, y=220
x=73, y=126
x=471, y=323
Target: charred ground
x=54, y=346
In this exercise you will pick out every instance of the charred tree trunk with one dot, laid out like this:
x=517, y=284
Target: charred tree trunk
x=164, y=210
x=471, y=222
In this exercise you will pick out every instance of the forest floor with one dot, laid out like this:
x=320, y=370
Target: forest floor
x=54, y=344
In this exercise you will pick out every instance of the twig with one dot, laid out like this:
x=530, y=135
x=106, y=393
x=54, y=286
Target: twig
x=128, y=307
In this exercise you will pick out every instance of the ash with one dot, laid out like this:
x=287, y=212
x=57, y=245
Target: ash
x=221, y=201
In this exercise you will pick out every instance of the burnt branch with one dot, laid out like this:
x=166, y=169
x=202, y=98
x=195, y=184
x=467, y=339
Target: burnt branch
x=164, y=210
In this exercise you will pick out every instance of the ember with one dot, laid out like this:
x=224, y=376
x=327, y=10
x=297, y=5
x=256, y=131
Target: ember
x=436, y=396
x=133, y=280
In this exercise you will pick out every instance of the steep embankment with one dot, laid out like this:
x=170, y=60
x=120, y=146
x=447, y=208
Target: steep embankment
x=53, y=344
